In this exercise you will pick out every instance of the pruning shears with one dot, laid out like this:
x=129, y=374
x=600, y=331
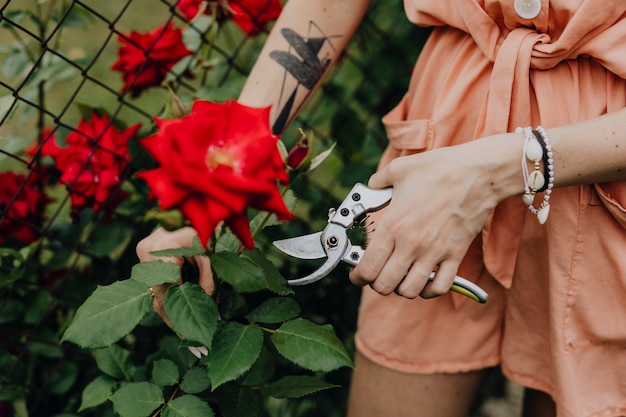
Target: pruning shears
x=334, y=244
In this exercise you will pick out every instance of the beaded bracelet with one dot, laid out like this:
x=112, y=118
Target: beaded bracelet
x=537, y=148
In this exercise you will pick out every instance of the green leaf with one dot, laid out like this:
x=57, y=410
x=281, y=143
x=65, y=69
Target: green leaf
x=194, y=250
x=311, y=346
x=12, y=263
x=96, y=392
x=244, y=275
x=110, y=313
x=192, y=312
x=164, y=373
x=274, y=280
x=11, y=310
x=137, y=399
x=45, y=343
x=262, y=370
x=295, y=386
x=155, y=273
x=274, y=310
x=115, y=361
x=235, y=350
x=63, y=378
x=195, y=380
x=110, y=241
x=15, y=62
x=7, y=105
x=236, y=401
x=187, y=406
x=317, y=160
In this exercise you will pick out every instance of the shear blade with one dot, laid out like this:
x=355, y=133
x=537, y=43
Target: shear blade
x=303, y=247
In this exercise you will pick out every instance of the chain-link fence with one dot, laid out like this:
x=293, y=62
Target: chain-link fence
x=77, y=79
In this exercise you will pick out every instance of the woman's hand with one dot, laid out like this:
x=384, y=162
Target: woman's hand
x=161, y=239
x=441, y=200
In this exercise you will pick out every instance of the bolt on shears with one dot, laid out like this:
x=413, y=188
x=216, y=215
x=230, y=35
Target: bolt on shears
x=334, y=244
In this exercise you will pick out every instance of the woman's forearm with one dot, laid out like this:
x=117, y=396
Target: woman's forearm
x=305, y=42
x=587, y=152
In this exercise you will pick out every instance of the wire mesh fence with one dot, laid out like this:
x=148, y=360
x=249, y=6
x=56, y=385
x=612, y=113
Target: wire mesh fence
x=80, y=81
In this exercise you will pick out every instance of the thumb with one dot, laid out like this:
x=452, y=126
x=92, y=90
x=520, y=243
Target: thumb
x=205, y=278
x=381, y=179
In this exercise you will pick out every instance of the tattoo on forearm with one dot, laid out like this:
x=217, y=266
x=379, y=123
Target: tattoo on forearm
x=306, y=66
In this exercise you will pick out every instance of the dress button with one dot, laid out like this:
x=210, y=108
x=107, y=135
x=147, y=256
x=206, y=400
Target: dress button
x=527, y=9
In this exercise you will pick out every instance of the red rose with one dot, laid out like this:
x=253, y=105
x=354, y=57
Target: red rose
x=164, y=48
x=22, y=204
x=190, y=8
x=250, y=15
x=93, y=162
x=215, y=163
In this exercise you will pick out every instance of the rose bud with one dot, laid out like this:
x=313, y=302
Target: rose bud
x=298, y=154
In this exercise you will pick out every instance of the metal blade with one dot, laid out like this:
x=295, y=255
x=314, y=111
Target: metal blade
x=303, y=247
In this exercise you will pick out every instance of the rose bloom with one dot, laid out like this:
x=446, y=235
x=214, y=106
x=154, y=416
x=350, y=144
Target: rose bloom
x=22, y=204
x=165, y=48
x=93, y=162
x=250, y=15
x=215, y=163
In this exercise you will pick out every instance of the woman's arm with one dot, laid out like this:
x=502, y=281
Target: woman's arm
x=457, y=187
x=306, y=40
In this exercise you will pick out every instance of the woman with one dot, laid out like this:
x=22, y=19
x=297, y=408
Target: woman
x=458, y=167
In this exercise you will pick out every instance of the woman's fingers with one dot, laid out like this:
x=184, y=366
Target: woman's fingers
x=205, y=279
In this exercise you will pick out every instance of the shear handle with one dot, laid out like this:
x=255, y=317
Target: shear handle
x=360, y=200
x=459, y=285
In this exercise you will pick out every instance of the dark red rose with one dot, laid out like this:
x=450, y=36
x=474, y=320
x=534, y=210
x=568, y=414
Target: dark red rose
x=164, y=48
x=215, y=163
x=93, y=162
x=22, y=205
x=250, y=15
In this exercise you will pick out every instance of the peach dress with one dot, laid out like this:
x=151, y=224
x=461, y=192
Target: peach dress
x=556, y=319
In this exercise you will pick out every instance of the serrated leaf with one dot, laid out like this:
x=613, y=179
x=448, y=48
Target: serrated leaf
x=295, y=386
x=138, y=399
x=275, y=282
x=262, y=219
x=235, y=350
x=96, y=392
x=155, y=273
x=262, y=370
x=115, y=361
x=312, y=346
x=164, y=373
x=189, y=252
x=187, y=406
x=195, y=381
x=274, y=310
x=237, y=401
x=110, y=313
x=192, y=312
x=243, y=274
